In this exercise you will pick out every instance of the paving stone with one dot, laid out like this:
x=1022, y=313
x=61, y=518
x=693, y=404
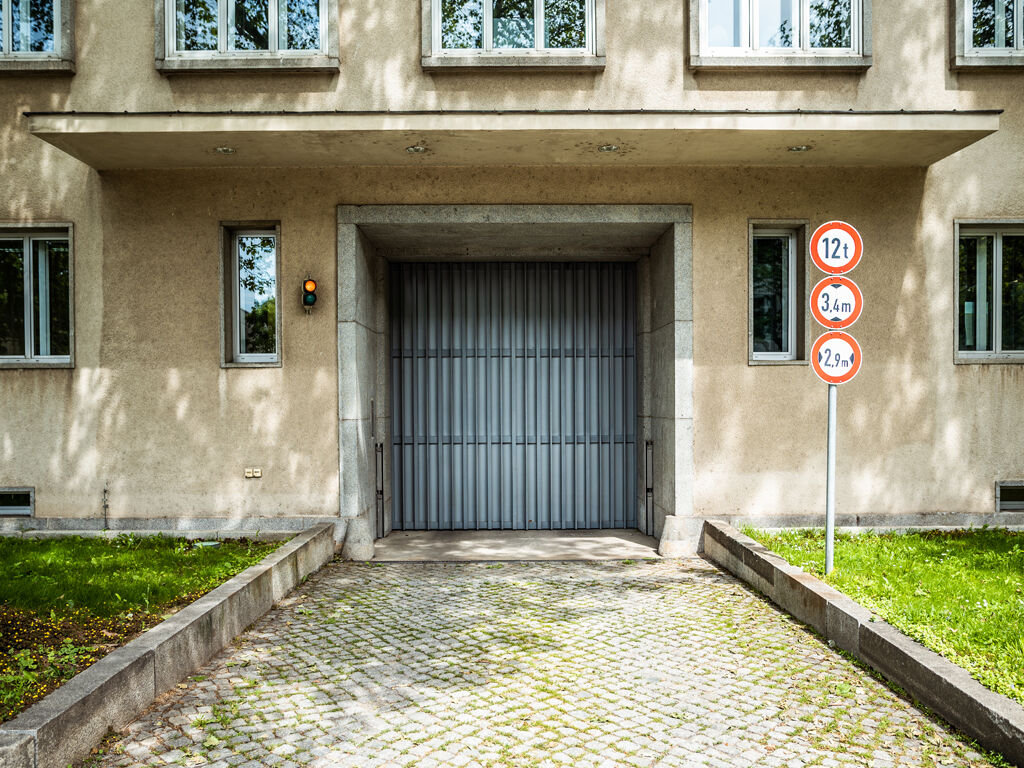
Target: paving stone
x=667, y=663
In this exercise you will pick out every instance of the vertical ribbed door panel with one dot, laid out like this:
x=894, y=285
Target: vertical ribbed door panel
x=514, y=396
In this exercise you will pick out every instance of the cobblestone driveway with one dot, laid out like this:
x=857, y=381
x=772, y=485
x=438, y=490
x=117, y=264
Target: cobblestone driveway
x=539, y=664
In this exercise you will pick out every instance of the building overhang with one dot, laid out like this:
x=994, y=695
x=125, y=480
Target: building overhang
x=161, y=140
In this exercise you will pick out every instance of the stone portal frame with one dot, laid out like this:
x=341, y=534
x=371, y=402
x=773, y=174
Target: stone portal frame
x=657, y=237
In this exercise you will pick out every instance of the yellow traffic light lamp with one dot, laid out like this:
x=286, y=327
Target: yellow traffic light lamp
x=308, y=294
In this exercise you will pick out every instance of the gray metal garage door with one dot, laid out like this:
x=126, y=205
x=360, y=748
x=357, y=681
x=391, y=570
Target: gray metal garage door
x=514, y=396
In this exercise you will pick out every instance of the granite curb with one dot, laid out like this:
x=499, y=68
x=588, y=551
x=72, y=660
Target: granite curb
x=67, y=724
x=993, y=720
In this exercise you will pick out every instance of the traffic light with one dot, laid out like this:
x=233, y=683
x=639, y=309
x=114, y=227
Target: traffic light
x=308, y=294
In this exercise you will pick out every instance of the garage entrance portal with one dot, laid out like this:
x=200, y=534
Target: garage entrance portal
x=514, y=395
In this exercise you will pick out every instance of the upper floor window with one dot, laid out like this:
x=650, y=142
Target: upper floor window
x=219, y=34
x=990, y=293
x=29, y=27
x=513, y=32
x=226, y=26
x=35, y=35
x=989, y=33
x=35, y=298
x=780, y=32
x=525, y=25
x=995, y=26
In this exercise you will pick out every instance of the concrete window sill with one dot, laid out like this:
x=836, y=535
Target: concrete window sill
x=790, y=63
x=303, y=64
x=777, y=362
x=490, y=62
x=17, y=364
x=12, y=65
x=990, y=360
x=1011, y=63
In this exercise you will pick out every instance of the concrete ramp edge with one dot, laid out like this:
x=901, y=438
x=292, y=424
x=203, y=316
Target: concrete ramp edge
x=63, y=727
x=993, y=720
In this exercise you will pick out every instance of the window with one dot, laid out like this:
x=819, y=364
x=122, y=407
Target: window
x=808, y=33
x=776, y=291
x=517, y=32
x=989, y=33
x=35, y=299
x=251, y=297
x=218, y=34
x=1010, y=496
x=17, y=501
x=28, y=26
x=36, y=35
x=990, y=293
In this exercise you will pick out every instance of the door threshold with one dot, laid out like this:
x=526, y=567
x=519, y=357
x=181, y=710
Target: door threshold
x=491, y=546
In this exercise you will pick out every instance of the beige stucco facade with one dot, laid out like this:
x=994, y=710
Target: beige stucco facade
x=148, y=410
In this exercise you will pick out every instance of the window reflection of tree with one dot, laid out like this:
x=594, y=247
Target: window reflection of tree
x=252, y=21
x=985, y=18
x=197, y=25
x=830, y=26
x=40, y=24
x=565, y=24
x=256, y=276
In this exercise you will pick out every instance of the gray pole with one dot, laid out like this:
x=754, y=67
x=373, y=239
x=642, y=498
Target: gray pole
x=830, y=482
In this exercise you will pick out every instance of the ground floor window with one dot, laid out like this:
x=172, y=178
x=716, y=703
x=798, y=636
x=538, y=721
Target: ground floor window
x=17, y=501
x=251, y=293
x=774, y=300
x=990, y=292
x=35, y=297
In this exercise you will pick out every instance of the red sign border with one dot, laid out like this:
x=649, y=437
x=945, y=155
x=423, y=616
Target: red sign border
x=814, y=357
x=858, y=247
x=833, y=324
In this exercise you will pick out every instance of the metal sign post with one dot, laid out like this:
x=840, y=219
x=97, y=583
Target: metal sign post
x=830, y=482
x=836, y=303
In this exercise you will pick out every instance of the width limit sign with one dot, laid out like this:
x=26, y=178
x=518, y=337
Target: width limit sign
x=836, y=302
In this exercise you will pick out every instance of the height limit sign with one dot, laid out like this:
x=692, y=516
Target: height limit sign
x=836, y=303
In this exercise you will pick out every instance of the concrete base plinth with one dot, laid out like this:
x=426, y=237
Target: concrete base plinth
x=680, y=536
x=358, y=543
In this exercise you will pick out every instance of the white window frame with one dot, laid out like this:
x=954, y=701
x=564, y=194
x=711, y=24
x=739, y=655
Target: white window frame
x=801, y=11
x=488, y=42
x=30, y=269
x=996, y=231
x=997, y=51
x=7, y=41
x=801, y=56
x=793, y=354
x=231, y=331
x=225, y=34
x=28, y=511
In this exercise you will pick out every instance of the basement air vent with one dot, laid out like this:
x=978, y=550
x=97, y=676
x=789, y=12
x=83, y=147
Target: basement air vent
x=1010, y=496
x=17, y=501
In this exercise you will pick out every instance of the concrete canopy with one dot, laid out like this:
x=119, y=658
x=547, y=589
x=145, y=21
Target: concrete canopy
x=108, y=141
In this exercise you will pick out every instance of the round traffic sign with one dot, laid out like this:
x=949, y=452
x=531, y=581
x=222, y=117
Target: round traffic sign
x=836, y=302
x=836, y=357
x=836, y=247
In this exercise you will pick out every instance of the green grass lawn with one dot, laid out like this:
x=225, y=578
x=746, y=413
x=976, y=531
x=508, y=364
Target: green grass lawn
x=67, y=602
x=961, y=593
